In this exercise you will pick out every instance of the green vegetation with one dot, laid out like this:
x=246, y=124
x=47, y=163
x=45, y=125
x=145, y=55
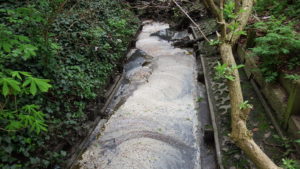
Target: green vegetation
x=290, y=164
x=225, y=71
x=278, y=47
x=277, y=41
x=290, y=8
x=56, y=58
x=246, y=105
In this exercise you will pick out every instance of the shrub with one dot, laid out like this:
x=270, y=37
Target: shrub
x=78, y=45
x=290, y=8
x=278, y=47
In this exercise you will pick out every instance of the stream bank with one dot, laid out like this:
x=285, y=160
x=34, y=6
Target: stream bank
x=143, y=133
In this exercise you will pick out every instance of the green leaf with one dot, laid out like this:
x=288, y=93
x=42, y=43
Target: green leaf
x=14, y=84
x=36, y=83
x=14, y=125
x=240, y=33
x=43, y=84
x=229, y=77
x=5, y=89
x=23, y=38
x=9, y=84
x=8, y=149
x=26, y=74
x=30, y=108
x=33, y=88
x=26, y=83
x=33, y=119
x=27, y=120
x=238, y=66
x=16, y=74
x=7, y=47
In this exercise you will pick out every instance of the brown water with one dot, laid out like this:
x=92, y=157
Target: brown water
x=156, y=126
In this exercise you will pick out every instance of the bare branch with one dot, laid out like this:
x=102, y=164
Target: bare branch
x=198, y=27
x=222, y=21
x=215, y=10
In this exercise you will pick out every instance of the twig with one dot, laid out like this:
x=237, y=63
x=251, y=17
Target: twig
x=191, y=20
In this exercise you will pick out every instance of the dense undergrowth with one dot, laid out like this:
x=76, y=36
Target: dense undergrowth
x=277, y=39
x=56, y=59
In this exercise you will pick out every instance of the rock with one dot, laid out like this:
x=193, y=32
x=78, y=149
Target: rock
x=267, y=135
x=237, y=156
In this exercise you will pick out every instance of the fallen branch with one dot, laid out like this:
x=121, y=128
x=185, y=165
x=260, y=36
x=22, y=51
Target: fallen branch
x=190, y=43
x=188, y=16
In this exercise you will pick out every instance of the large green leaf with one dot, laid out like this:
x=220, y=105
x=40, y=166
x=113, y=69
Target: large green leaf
x=9, y=85
x=16, y=74
x=36, y=83
x=43, y=84
x=6, y=47
x=33, y=88
x=15, y=85
x=5, y=89
x=14, y=125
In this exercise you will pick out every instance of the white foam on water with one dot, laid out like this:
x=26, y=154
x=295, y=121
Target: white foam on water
x=156, y=127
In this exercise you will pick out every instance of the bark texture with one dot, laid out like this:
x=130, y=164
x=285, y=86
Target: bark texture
x=240, y=134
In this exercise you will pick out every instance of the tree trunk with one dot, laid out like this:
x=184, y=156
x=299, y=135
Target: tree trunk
x=239, y=133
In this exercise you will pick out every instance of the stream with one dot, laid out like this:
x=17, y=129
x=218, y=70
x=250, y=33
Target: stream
x=155, y=114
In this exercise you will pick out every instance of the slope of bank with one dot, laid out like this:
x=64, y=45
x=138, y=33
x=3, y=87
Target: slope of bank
x=79, y=46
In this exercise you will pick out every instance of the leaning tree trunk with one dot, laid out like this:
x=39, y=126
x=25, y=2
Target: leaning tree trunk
x=239, y=133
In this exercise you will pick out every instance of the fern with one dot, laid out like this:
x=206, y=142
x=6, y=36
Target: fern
x=279, y=40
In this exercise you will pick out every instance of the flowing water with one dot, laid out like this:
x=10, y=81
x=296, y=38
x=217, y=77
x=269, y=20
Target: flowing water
x=155, y=124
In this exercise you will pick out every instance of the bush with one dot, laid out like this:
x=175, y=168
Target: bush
x=76, y=44
x=278, y=47
x=290, y=8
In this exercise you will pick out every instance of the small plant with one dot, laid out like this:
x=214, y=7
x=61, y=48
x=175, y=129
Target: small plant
x=293, y=63
x=270, y=76
x=292, y=77
x=290, y=164
x=14, y=85
x=225, y=71
x=289, y=8
x=200, y=99
x=279, y=44
x=233, y=26
x=229, y=10
x=286, y=144
x=213, y=42
x=231, y=15
x=246, y=105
